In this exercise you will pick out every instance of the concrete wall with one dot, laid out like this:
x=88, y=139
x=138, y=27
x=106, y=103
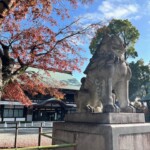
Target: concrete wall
x=92, y=136
x=134, y=142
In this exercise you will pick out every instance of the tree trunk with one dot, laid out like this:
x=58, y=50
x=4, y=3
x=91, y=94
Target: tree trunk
x=5, y=6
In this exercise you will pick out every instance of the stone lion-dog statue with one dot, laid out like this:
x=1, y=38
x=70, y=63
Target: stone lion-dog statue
x=106, y=72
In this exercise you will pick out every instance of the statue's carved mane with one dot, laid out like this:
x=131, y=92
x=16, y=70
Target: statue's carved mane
x=110, y=50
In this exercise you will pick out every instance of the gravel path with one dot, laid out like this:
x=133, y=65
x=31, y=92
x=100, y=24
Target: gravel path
x=26, y=137
x=7, y=140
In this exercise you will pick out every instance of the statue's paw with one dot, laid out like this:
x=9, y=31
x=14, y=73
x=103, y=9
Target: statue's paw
x=129, y=109
x=117, y=109
x=109, y=108
x=89, y=109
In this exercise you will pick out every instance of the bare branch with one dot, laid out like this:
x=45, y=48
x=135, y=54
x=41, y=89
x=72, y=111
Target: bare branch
x=61, y=30
x=66, y=37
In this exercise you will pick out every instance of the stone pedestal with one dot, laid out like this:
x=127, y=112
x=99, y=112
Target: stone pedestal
x=100, y=132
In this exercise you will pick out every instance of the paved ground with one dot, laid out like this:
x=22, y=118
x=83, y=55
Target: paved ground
x=26, y=136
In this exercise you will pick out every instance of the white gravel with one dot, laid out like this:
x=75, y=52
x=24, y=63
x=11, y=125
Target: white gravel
x=26, y=137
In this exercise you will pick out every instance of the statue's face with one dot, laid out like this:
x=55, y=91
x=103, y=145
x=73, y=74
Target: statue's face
x=117, y=46
x=112, y=44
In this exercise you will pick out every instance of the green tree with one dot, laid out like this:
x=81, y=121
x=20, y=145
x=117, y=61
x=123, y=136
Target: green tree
x=122, y=28
x=139, y=83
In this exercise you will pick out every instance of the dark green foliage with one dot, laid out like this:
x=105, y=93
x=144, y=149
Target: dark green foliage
x=124, y=29
x=140, y=78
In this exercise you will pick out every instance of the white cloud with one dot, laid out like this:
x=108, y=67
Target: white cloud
x=90, y=17
x=108, y=9
x=146, y=6
x=136, y=17
x=117, y=10
x=122, y=1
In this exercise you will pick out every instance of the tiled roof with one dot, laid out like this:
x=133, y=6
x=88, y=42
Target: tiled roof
x=55, y=78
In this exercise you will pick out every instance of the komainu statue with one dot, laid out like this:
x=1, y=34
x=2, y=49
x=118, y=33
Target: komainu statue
x=106, y=72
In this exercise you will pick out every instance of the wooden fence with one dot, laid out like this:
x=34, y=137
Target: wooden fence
x=17, y=127
x=40, y=134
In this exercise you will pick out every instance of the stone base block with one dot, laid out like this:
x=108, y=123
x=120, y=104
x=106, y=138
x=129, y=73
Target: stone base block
x=96, y=136
x=106, y=118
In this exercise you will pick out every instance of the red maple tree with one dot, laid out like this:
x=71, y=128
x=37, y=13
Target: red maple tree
x=35, y=34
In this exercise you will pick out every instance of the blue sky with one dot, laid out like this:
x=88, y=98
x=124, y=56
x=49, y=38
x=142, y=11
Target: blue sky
x=137, y=11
